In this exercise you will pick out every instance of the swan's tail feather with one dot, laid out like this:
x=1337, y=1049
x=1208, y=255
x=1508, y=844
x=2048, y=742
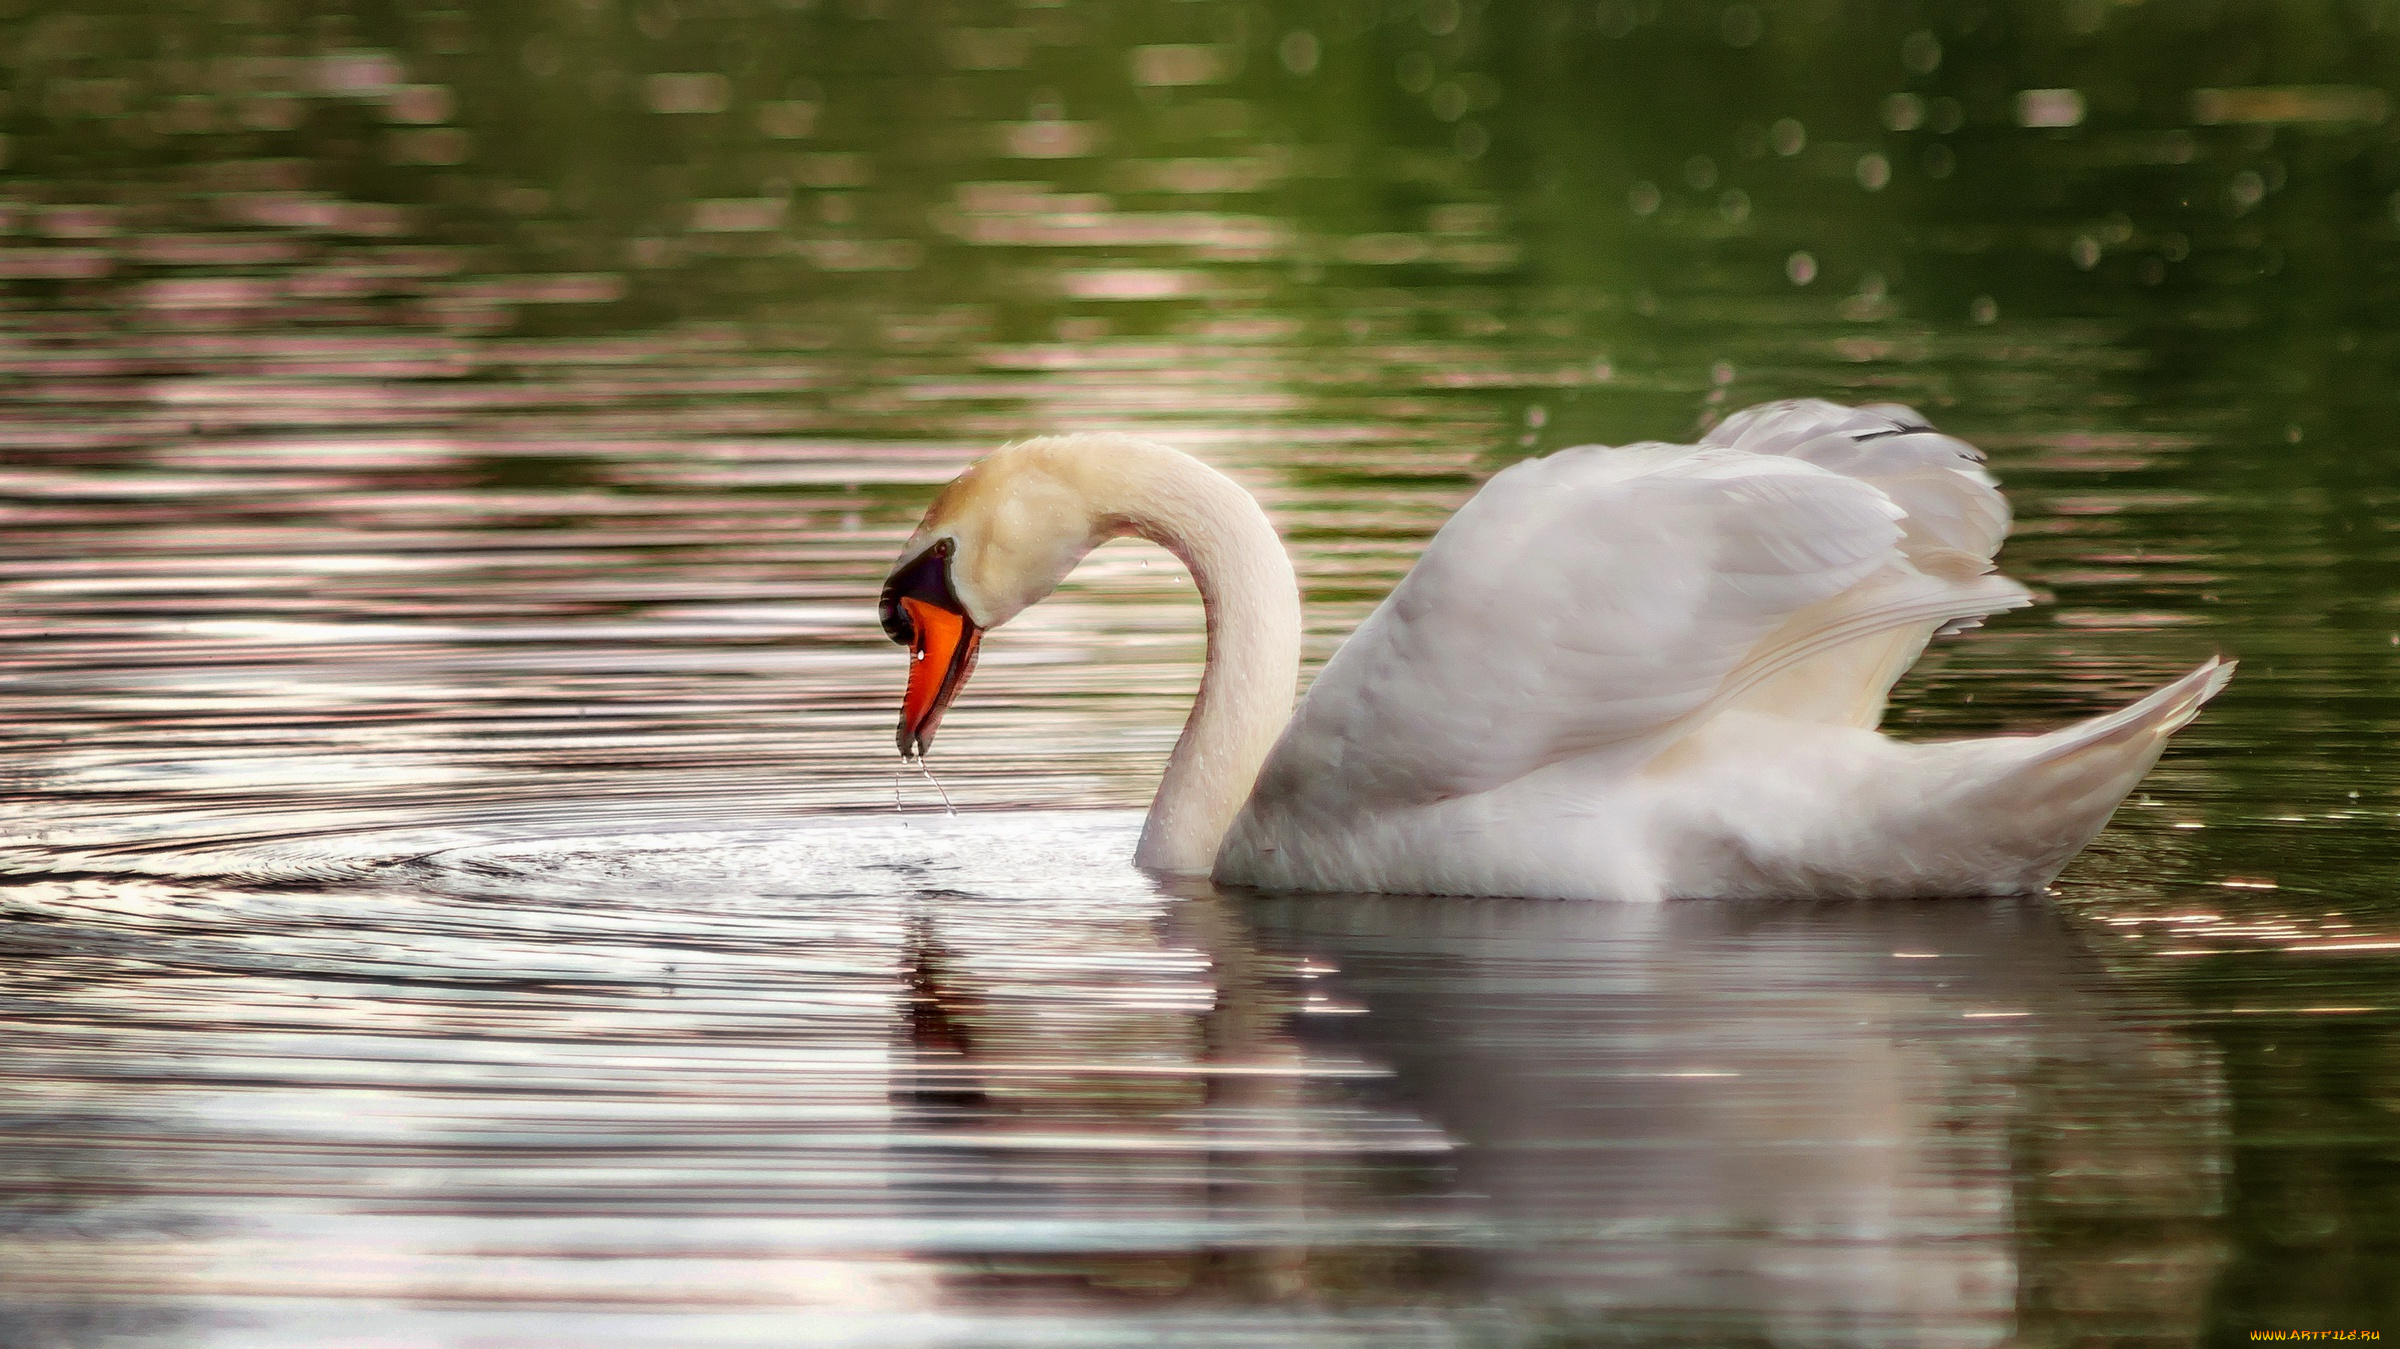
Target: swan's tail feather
x=2158, y=716
x=2062, y=787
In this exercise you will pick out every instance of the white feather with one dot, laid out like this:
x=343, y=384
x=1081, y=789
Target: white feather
x=1655, y=671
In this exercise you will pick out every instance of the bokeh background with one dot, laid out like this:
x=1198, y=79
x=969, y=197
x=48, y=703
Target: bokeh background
x=425, y=423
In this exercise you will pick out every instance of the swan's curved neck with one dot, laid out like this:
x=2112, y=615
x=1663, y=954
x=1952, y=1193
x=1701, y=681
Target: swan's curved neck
x=1253, y=669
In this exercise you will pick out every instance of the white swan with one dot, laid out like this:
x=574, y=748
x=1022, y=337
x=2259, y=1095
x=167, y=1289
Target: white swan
x=1634, y=673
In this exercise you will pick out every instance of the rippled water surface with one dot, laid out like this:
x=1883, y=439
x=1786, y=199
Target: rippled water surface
x=452, y=891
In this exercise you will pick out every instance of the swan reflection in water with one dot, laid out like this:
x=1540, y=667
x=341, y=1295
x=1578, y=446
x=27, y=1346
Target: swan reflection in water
x=1887, y=1123
x=935, y=1081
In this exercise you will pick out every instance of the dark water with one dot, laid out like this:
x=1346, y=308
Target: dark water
x=453, y=893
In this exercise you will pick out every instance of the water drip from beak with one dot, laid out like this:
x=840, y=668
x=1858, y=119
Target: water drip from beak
x=918, y=760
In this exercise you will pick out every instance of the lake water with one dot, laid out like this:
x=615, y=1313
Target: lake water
x=453, y=892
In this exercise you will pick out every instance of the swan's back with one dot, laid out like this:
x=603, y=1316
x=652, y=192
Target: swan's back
x=1601, y=601
x=1585, y=630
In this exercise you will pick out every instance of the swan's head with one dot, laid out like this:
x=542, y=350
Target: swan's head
x=1001, y=536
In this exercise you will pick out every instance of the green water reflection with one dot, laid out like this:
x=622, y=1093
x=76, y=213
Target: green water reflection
x=434, y=417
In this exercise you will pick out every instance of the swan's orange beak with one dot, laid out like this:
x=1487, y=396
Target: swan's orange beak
x=941, y=654
x=921, y=611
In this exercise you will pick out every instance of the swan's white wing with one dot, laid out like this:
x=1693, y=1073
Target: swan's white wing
x=1956, y=515
x=1956, y=521
x=1590, y=601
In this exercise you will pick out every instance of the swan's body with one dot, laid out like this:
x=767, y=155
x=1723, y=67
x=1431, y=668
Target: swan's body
x=1632, y=673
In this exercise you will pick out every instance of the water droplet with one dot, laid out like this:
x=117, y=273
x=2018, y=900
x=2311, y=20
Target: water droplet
x=1643, y=198
x=1874, y=171
x=1801, y=268
x=1721, y=374
x=1920, y=53
x=1734, y=205
x=2049, y=107
x=1741, y=26
x=1984, y=310
x=1788, y=137
x=1299, y=52
x=1701, y=172
x=1903, y=111
x=2084, y=252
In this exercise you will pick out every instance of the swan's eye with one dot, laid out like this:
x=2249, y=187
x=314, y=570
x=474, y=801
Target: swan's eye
x=928, y=579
